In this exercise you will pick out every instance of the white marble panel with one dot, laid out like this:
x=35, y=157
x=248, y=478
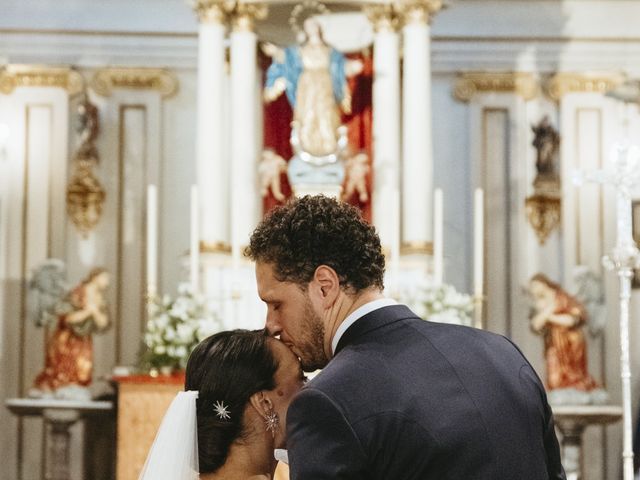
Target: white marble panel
x=498, y=135
x=35, y=167
x=130, y=146
x=588, y=128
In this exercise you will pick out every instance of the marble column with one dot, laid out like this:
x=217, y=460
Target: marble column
x=212, y=166
x=417, y=151
x=386, y=128
x=244, y=111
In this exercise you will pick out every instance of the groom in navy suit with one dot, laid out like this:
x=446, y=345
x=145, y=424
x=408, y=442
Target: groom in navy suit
x=398, y=397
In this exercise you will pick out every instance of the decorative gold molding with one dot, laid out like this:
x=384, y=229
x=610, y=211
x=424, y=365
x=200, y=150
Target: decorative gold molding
x=470, y=83
x=217, y=247
x=562, y=83
x=14, y=76
x=416, y=248
x=105, y=80
x=418, y=11
x=384, y=18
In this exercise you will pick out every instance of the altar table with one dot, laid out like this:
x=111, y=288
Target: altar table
x=142, y=402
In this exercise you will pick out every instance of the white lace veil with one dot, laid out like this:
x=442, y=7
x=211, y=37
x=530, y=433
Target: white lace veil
x=174, y=453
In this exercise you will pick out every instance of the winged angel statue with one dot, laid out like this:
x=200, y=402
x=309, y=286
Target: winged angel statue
x=73, y=315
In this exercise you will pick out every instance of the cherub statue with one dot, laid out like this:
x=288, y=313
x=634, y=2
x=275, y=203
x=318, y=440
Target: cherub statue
x=269, y=170
x=75, y=314
x=357, y=168
x=559, y=317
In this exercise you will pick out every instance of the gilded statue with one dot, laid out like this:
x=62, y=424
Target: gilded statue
x=73, y=315
x=560, y=317
x=313, y=75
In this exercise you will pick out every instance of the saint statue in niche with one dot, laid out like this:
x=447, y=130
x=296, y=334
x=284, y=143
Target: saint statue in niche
x=559, y=317
x=313, y=75
x=74, y=315
x=546, y=143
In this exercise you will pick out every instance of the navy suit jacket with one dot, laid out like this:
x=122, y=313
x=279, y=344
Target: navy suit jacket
x=408, y=399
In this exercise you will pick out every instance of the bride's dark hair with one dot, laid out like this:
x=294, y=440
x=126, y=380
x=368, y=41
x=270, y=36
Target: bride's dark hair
x=227, y=369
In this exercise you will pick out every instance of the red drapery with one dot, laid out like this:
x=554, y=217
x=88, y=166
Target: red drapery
x=277, y=128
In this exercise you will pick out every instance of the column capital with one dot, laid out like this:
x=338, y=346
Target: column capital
x=210, y=11
x=418, y=11
x=244, y=15
x=382, y=17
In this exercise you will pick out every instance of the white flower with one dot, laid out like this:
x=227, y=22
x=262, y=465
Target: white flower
x=181, y=352
x=184, y=289
x=177, y=325
x=185, y=333
x=161, y=322
x=206, y=328
x=440, y=303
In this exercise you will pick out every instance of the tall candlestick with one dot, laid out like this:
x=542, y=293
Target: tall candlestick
x=438, y=260
x=478, y=255
x=194, y=257
x=395, y=223
x=624, y=175
x=152, y=240
x=478, y=242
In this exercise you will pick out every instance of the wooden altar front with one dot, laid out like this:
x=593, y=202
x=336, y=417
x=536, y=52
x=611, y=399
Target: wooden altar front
x=142, y=402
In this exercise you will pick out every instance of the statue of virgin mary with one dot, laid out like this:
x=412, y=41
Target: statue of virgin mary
x=313, y=75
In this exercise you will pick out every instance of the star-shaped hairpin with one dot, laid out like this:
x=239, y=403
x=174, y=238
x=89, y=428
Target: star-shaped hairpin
x=222, y=411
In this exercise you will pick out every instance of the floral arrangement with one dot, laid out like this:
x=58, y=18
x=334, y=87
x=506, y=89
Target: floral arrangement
x=441, y=303
x=175, y=327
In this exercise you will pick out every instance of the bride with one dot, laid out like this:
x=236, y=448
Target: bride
x=232, y=414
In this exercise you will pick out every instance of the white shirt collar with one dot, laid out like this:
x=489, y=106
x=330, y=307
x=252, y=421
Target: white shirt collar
x=357, y=314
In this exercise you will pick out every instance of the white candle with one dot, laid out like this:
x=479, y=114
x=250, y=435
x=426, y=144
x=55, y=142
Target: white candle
x=438, y=260
x=194, y=257
x=478, y=242
x=395, y=225
x=152, y=240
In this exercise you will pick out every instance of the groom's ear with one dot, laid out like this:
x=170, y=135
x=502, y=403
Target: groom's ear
x=328, y=284
x=262, y=403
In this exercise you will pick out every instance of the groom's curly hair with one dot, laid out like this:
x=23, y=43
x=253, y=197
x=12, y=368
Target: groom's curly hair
x=305, y=233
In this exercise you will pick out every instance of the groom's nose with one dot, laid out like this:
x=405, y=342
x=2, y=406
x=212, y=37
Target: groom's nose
x=272, y=326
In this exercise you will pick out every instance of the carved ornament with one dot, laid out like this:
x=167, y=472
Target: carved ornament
x=13, y=76
x=85, y=194
x=384, y=18
x=106, y=80
x=244, y=15
x=416, y=248
x=418, y=11
x=468, y=84
x=563, y=83
x=217, y=247
x=211, y=11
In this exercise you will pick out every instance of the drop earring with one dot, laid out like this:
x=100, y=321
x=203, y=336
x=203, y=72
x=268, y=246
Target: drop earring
x=272, y=422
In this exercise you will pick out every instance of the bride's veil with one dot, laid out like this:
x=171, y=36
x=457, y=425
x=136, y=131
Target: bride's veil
x=174, y=453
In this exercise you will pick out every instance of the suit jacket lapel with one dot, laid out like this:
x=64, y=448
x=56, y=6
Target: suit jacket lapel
x=374, y=320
